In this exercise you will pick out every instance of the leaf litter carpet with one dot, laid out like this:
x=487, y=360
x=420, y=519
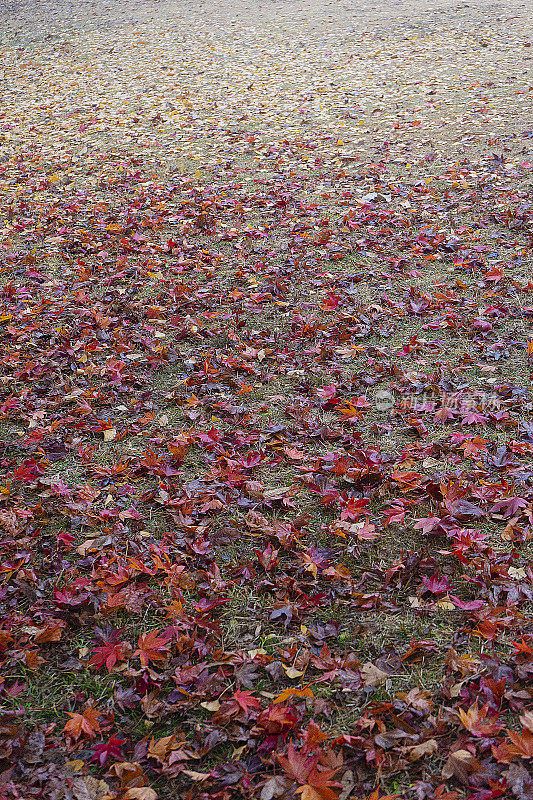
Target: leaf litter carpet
x=266, y=494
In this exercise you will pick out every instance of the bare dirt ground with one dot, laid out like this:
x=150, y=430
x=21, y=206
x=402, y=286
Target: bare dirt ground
x=445, y=76
x=266, y=435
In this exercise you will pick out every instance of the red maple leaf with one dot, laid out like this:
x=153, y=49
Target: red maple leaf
x=152, y=647
x=110, y=749
x=354, y=508
x=110, y=654
x=298, y=765
x=246, y=700
x=474, y=418
x=29, y=471
x=436, y=584
x=277, y=719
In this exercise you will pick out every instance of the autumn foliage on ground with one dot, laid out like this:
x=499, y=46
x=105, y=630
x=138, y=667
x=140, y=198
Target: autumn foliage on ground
x=266, y=496
x=191, y=442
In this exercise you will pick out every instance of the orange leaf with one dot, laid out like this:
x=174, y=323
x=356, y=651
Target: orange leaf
x=85, y=723
x=305, y=692
x=309, y=792
x=152, y=647
x=478, y=722
x=318, y=786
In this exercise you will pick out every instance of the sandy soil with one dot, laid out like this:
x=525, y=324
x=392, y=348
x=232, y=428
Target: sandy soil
x=177, y=78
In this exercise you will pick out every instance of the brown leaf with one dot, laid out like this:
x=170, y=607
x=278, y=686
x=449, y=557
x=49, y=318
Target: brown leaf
x=85, y=787
x=419, y=699
x=417, y=751
x=274, y=787
x=52, y=632
x=139, y=793
x=162, y=747
x=372, y=675
x=460, y=764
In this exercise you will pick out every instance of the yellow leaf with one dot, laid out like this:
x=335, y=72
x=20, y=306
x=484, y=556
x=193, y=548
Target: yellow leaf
x=75, y=766
x=292, y=672
x=446, y=605
x=195, y=776
x=214, y=705
x=110, y=434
